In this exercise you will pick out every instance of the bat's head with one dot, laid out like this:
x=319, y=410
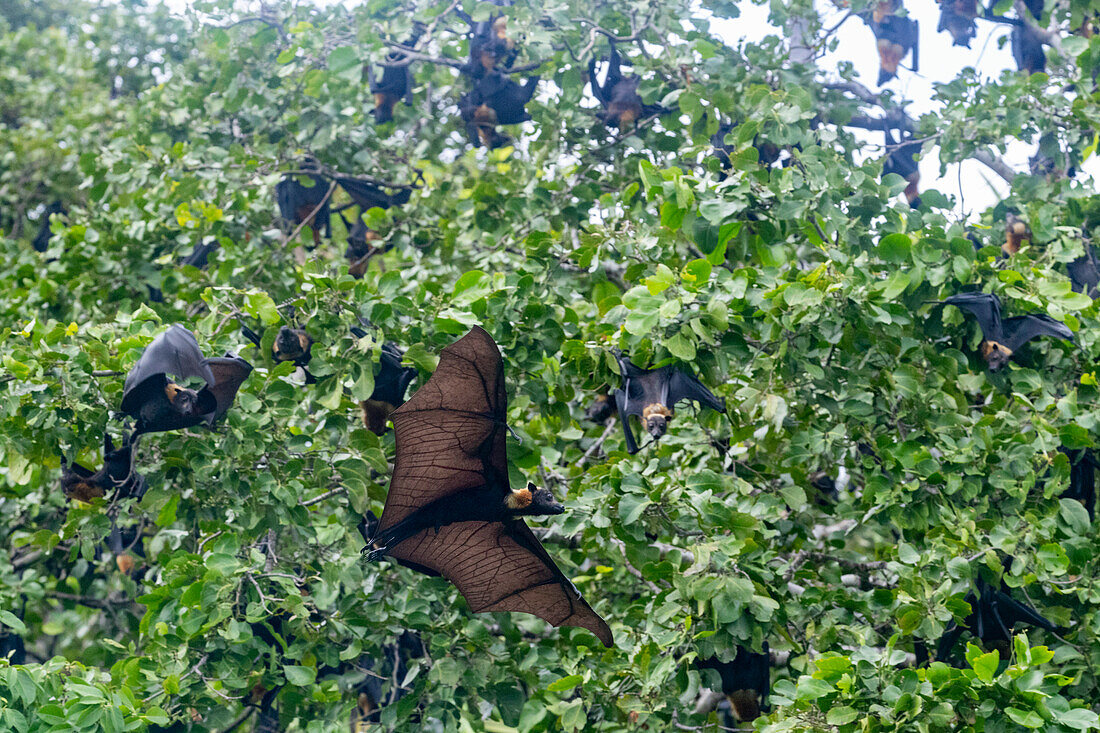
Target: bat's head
x=656, y=418
x=183, y=400
x=543, y=501
x=995, y=354
x=291, y=344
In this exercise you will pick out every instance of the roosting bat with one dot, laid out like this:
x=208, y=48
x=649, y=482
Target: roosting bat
x=957, y=18
x=157, y=403
x=746, y=681
x=359, y=249
x=993, y=615
x=370, y=696
x=450, y=510
x=390, y=385
x=292, y=344
x=895, y=36
x=396, y=82
x=1082, y=478
x=42, y=239
x=1027, y=44
x=900, y=160
x=1002, y=338
x=481, y=122
x=200, y=255
x=651, y=394
x=1016, y=233
x=368, y=194
x=1084, y=273
x=622, y=105
x=601, y=408
x=117, y=476
x=12, y=647
x=490, y=47
x=299, y=203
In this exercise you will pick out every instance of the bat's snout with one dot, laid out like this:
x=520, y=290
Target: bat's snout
x=544, y=502
x=656, y=425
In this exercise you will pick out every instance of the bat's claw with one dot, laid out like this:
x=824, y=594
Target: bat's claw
x=374, y=554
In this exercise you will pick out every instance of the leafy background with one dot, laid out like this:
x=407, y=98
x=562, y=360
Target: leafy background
x=801, y=293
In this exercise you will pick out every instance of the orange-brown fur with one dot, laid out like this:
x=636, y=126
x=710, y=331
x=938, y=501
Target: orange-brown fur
x=657, y=409
x=519, y=499
x=890, y=55
x=745, y=704
x=171, y=390
x=83, y=491
x=911, y=191
x=987, y=348
x=1016, y=233
x=125, y=563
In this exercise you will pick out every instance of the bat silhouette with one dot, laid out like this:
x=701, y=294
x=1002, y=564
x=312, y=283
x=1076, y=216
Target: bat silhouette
x=42, y=238
x=746, y=681
x=895, y=36
x=1084, y=273
x=900, y=160
x=390, y=385
x=490, y=47
x=299, y=203
x=1001, y=338
x=396, y=82
x=292, y=344
x=957, y=18
x=450, y=510
x=622, y=105
x=157, y=403
x=117, y=475
x=1026, y=43
x=651, y=394
x=200, y=255
x=601, y=408
x=1082, y=478
x=992, y=617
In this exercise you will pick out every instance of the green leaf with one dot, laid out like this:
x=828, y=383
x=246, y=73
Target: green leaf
x=985, y=665
x=300, y=676
x=841, y=715
x=565, y=683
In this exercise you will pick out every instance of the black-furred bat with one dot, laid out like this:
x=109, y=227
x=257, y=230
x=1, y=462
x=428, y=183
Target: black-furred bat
x=292, y=344
x=117, y=477
x=1082, y=478
x=299, y=203
x=895, y=36
x=993, y=615
x=200, y=255
x=1001, y=338
x=451, y=511
x=1017, y=232
x=618, y=95
x=957, y=18
x=396, y=82
x=601, y=408
x=359, y=249
x=505, y=97
x=490, y=47
x=900, y=160
x=481, y=122
x=42, y=239
x=651, y=394
x=157, y=403
x=12, y=647
x=390, y=384
x=746, y=681
x=1084, y=273
x=1026, y=43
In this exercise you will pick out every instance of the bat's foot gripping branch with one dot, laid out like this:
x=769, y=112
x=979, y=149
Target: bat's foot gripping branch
x=374, y=554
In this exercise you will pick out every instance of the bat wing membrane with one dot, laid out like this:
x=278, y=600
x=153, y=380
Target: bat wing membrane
x=1021, y=329
x=986, y=310
x=230, y=372
x=684, y=386
x=174, y=352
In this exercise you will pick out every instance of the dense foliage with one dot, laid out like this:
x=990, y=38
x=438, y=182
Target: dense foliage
x=800, y=292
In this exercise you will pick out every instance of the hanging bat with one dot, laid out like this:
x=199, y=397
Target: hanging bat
x=1002, y=338
x=1016, y=233
x=900, y=160
x=895, y=37
x=42, y=239
x=200, y=255
x=490, y=47
x=651, y=394
x=1082, y=478
x=396, y=82
x=746, y=681
x=1084, y=273
x=292, y=344
x=117, y=477
x=451, y=511
x=12, y=647
x=957, y=18
x=506, y=98
x=993, y=615
x=157, y=403
x=359, y=249
x=299, y=203
x=390, y=385
x=369, y=195
x=601, y=408
x=883, y=8
x=622, y=105
x=481, y=122
x=1027, y=49
x=124, y=544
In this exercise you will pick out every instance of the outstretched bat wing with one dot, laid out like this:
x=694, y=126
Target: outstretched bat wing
x=501, y=566
x=1021, y=329
x=174, y=352
x=986, y=310
x=229, y=372
x=365, y=194
x=684, y=386
x=451, y=434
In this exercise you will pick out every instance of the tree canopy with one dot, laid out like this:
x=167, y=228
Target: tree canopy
x=871, y=484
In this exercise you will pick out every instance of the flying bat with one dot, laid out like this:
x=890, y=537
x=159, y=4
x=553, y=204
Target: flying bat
x=957, y=18
x=992, y=617
x=1001, y=338
x=117, y=476
x=746, y=681
x=451, y=511
x=651, y=394
x=157, y=403
x=618, y=95
x=390, y=385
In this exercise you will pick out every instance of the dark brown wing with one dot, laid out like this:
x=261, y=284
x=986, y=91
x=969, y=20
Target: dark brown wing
x=174, y=352
x=451, y=434
x=501, y=566
x=229, y=372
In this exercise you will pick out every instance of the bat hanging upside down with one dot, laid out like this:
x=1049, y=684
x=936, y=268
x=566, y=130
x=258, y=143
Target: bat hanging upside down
x=450, y=509
x=1002, y=338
